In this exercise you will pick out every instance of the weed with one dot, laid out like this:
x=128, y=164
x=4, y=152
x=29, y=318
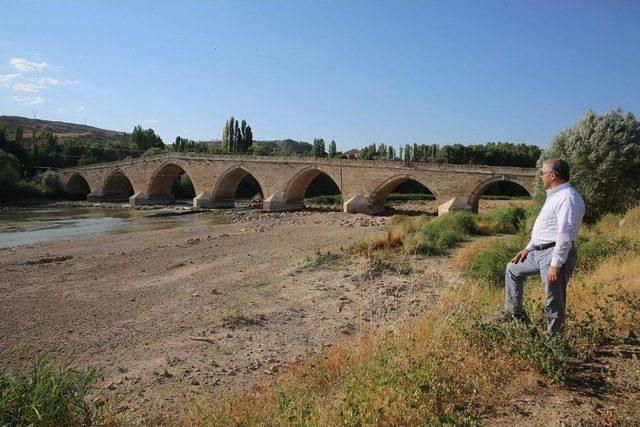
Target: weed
x=50, y=395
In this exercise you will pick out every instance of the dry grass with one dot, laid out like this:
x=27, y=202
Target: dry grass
x=366, y=246
x=441, y=368
x=466, y=254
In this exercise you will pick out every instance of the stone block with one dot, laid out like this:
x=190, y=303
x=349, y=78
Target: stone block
x=453, y=205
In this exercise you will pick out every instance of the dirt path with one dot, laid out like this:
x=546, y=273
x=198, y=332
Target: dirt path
x=164, y=314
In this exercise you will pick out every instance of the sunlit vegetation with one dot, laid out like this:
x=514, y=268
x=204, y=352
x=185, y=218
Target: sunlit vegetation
x=451, y=365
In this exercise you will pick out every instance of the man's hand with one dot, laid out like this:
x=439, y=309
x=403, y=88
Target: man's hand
x=520, y=256
x=553, y=274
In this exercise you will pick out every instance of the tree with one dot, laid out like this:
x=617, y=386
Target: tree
x=143, y=139
x=237, y=137
x=333, y=151
x=603, y=152
x=318, y=149
x=9, y=170
x=247, y=138
x=225, y=137
x=407, y=153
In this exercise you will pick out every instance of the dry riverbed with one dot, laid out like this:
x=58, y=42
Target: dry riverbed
x=196, y=310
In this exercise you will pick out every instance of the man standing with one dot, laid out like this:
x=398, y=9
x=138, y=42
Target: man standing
x=551, y=251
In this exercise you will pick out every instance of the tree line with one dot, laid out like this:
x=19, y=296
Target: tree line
x=491, y=153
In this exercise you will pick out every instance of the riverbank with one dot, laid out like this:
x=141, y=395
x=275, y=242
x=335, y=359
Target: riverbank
x=203, y=310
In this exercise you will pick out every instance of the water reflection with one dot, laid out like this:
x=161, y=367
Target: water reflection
x=39, y=225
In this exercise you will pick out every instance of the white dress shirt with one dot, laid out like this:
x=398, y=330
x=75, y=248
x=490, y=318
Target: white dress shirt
x=559, y=221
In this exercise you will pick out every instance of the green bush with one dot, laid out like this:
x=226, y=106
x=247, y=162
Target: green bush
x=547, y=353
x=508, y=220
x=489, y=264
x=604, y=154
x=9, y=170
x=51, y=182
x=437, y=235
x=46, y=395
x=594, y=248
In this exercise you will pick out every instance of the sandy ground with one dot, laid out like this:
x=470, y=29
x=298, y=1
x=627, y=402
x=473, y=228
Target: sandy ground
x=167, y=314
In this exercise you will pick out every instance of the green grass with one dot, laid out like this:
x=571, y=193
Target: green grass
x=489, y=264
x=48, y=395
x=506, y=220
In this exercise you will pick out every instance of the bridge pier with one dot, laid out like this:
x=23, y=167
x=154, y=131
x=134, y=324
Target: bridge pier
x=204, y=201
x=277, y=203
x=361, y=204
x=140, y=199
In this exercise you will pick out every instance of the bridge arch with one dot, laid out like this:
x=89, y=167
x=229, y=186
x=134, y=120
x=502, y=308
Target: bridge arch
x=227, y=184
x=117, y=187
x=382, y=191
x=297, y=186
x=160, y=187
x=480, y=189
x=77, y=186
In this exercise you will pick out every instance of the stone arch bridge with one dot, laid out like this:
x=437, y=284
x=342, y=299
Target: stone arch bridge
x=364, y=185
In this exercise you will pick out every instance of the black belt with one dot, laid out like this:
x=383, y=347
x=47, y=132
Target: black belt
x=543, y=246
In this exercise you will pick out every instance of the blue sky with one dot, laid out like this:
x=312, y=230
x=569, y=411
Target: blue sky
x=355, y=71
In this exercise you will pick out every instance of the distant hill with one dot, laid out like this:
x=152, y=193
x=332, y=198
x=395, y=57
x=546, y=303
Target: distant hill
x=61, y=129
x=93, y=134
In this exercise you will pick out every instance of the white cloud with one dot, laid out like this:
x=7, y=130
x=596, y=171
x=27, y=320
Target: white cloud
x=63, y=109
x=26, y=87
x=149, y=121
x=19, y=83
x=22, y=64
x=81, y=108
x=28, y=100
x=49, y=81
x=6, y=78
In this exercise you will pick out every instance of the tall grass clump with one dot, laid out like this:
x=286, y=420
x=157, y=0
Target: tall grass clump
x=47, y=395
x=488, y=264
x=437, y=235
x=507, y=220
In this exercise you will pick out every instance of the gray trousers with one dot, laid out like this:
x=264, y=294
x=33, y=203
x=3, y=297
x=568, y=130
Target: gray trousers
x=556, y=294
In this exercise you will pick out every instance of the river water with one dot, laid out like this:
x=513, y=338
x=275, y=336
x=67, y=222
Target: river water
x=36, y=225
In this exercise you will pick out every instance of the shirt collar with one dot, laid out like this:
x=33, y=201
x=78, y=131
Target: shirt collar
x=558, y=188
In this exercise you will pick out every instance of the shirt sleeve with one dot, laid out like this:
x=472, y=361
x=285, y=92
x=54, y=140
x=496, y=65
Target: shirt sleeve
x=529, y=246
x=564, y=214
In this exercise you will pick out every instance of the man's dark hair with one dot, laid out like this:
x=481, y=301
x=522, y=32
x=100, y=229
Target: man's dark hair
x=560, y=167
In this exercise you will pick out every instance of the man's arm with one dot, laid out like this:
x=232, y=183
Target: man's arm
x=565, y=215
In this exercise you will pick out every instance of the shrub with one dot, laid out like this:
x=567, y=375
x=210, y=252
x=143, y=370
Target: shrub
x=439, y=234
x=9, y=170
x=489, y=264
x=507, y=220
x=548, y=354
x=51, y=182
x=604, y=154
x=594, y=248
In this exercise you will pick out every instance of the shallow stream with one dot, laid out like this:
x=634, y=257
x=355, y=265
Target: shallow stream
x=24, y=227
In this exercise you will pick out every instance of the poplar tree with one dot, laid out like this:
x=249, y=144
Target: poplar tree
x=407, y=153
x=333, y=151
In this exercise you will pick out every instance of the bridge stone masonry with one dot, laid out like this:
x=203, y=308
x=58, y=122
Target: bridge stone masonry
x=364, y=185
